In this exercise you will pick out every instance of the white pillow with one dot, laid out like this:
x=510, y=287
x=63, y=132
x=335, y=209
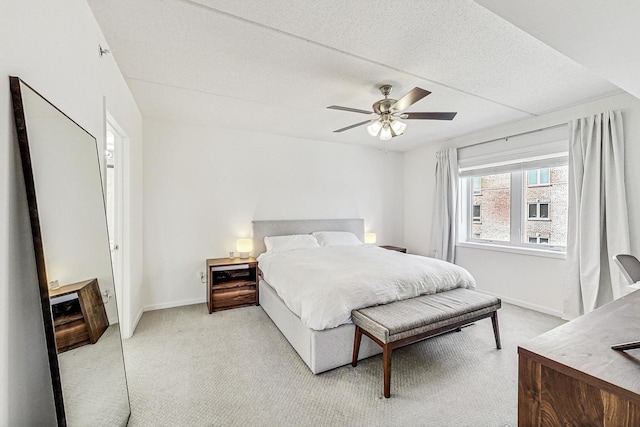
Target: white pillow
x=277, y=244
x=336, y=238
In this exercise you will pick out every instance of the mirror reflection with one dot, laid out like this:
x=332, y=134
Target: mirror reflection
x=77, y=264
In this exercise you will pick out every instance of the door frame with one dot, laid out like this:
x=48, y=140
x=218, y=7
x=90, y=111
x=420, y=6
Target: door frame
x=122, y=219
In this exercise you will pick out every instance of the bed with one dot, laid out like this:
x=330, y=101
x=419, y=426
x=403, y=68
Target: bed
x=326, y=343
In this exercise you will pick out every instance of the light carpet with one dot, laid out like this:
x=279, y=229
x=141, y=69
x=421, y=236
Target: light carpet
x=88, y=374
x=234, y=368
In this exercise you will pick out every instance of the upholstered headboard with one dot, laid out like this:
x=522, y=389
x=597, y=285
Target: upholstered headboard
x=262, y=229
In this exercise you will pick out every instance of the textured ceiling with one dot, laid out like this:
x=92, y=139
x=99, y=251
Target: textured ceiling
x=606, y=42
x=275, y=66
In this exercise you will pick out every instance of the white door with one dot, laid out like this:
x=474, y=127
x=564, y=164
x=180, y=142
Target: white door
x=115, y=180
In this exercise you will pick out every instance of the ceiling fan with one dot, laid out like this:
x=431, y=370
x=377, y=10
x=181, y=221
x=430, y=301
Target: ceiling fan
x=388, y=111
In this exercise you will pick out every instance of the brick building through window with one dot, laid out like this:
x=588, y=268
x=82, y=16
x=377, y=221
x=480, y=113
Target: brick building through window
x=544, y=206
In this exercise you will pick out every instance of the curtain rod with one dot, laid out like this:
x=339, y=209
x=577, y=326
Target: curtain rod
x=514, y=135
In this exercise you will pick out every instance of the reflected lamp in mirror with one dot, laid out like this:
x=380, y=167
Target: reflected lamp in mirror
x=369, y=238
x=244, y=247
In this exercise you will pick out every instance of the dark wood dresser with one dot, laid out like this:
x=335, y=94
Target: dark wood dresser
x=80, y=319
x=571, y=376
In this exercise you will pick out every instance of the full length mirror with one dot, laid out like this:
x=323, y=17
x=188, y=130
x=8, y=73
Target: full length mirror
x=71, y=242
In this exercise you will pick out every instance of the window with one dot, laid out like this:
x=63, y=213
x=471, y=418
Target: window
x=521, y=206
x=538, y=210
x=538, y=177
x=520, y=183
x=476, y=213
x=538, y=240
x=495, y=222
x=477, y=185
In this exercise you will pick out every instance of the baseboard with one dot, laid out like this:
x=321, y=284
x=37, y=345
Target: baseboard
x=173, y=304
x=524, y=304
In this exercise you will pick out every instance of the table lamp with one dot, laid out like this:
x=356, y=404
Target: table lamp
x=244, y=247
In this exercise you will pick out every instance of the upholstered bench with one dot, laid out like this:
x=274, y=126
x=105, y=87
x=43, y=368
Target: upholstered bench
x=404, y=322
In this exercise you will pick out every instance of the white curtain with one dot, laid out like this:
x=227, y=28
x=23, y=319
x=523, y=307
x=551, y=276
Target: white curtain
x=445, y=207
x=598, y=225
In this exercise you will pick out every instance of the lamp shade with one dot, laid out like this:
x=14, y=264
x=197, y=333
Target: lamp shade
x=385, y=133
x=369, y=238
x=244, y=247
x=374, y=128
x=398, y=127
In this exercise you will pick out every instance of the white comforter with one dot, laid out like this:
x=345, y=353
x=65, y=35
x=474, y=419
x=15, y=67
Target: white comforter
x=323, y=285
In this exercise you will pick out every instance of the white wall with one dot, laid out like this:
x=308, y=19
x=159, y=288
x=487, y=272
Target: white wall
x=203, y=186
x=530, y=281
x=53, y=47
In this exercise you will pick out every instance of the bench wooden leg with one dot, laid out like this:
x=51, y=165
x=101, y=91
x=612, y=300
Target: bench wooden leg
x=496, y=329
x=386, y=360
x=356, y=346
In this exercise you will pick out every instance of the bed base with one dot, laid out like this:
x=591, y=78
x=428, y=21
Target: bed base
x=320, y=350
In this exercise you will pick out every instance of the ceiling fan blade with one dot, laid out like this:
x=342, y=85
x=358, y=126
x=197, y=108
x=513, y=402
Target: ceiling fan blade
x=352, y=126
x=413, y=96
x=428, y=116
x=353, y=110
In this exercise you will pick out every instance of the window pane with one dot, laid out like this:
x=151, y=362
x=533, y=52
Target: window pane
x=496, y=208
x=533, y=177
x=544, y=176
x=476, y=212
x=544, y=210
x=533, y=240
x=556, y=195
x=477, y=184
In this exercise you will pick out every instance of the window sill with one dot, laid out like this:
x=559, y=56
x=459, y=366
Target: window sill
x=513, y=249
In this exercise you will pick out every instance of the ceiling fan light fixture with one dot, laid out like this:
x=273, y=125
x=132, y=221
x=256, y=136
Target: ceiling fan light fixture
x=398, y=127
x=386, y=125
x=374, y=128
x=385, y=133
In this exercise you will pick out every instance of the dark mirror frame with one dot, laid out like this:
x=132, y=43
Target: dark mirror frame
x=43, y=284
x=16, y=85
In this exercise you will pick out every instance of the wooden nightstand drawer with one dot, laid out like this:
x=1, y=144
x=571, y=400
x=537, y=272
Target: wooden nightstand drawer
x=71, y=335
x=223, y=300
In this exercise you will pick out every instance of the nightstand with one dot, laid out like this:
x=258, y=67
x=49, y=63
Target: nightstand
x=395, y=248
x=79, y=316
x=231, y=283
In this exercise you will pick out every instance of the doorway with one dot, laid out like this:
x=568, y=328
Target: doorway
x=116, y=199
